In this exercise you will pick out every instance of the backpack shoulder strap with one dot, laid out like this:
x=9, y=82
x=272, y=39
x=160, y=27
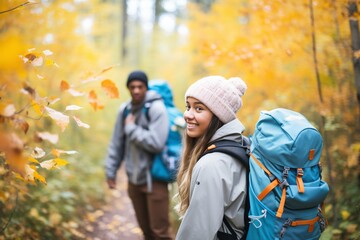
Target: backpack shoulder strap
x=238, y=150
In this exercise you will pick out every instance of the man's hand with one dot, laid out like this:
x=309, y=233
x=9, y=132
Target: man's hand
x=111, y=183
x=130, y=119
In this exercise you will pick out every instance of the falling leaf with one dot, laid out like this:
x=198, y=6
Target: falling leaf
x=53, y=138
x=7, y=110
x=81, y=124
x=110, y=88
x=64, y=85
x=72, y=107
x=38, y=153
x=93, y=100
x=60, y=119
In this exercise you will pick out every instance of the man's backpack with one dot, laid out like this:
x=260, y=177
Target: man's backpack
x=165, y=164
x=285, y=190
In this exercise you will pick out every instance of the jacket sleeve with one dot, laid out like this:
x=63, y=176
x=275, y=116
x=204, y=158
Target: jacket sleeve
x=153, y=138
x=209, y=191
x=115, y=152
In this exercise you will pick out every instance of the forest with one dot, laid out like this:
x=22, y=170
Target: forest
x=63, y=70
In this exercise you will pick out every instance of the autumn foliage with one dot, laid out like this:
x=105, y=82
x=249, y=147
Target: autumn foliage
x=59, y=93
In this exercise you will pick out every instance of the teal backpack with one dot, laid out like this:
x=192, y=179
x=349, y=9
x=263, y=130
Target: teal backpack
x=285, y=189
x=165, y=164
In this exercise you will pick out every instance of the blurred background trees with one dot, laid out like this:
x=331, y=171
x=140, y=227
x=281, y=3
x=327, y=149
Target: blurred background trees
x=301, y=55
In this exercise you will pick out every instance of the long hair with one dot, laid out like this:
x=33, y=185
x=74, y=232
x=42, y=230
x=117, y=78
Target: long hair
x=193, y=148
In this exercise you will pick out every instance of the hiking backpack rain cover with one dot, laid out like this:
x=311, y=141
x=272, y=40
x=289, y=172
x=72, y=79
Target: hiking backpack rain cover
x=285, y=187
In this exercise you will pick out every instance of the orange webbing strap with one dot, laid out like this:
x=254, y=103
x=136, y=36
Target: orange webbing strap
x=261, y=165
x=299, y=180
x=310, y=222
x=268, y=189
x=282, y=203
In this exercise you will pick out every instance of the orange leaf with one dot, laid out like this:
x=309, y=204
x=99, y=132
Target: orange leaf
x=64, y=85
x=110, y=88
x=93, y=100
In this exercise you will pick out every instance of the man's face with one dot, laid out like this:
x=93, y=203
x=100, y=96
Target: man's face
x=137, y=91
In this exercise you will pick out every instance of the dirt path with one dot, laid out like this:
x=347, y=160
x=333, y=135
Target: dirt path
x=116, y=220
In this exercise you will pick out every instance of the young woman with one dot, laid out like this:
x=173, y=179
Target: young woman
x=213, y=186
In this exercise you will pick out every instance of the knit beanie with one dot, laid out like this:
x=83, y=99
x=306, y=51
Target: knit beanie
x=139, y=76
x=223, y=97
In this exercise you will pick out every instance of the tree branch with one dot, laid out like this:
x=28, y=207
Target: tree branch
x=16, y=7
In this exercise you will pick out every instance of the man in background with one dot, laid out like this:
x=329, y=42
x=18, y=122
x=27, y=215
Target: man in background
x=140, y=132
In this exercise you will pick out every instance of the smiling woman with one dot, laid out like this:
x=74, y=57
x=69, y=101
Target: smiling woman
x=207, y=181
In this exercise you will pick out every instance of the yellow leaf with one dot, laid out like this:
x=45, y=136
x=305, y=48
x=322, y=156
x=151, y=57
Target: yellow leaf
x=53, y=163
x=37, y=107
x=110, y=88
x=37, y=176
x=33, y=160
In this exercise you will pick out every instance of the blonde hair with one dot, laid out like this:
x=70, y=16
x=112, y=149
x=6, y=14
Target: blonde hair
x=193, y=148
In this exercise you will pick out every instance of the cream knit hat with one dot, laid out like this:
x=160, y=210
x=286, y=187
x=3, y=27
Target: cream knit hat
x=221, y=96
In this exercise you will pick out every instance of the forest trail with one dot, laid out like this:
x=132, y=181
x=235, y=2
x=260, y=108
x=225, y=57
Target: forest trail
x=116, y=220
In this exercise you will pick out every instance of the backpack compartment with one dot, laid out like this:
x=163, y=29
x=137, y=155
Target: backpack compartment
x=263, y=221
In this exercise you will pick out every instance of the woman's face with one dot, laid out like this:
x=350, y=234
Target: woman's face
x=197, y=117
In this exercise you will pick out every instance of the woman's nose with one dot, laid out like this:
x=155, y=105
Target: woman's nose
x=188, y=114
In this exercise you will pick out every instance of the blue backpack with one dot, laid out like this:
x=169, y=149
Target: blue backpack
x=285, y=190
x=165, y=164
x=285, y=187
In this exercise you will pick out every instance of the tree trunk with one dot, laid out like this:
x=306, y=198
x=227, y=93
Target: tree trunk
x=355, y=43
x=124, y=30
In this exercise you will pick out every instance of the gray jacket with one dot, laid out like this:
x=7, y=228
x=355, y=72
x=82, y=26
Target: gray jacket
x=218, y=188
x=137, y=143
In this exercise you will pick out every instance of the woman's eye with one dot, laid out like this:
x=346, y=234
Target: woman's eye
x=198, y=109
x=187, y=108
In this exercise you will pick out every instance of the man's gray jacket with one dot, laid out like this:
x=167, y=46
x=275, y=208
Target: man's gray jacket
x=137, y=143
